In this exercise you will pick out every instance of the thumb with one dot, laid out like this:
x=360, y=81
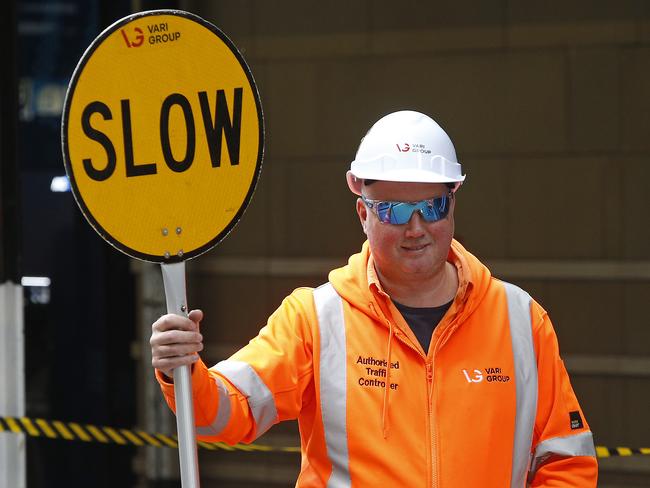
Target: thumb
x=196, y=316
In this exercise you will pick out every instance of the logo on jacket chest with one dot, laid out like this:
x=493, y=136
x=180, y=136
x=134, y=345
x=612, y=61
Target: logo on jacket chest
x=373, y=372
x=490, y=375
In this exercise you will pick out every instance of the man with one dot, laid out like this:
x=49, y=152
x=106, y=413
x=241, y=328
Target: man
x=413, y=366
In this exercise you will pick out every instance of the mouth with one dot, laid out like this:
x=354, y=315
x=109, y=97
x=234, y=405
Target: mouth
x=415, y=248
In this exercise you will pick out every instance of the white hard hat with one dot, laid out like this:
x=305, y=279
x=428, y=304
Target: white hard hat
x=407, y=146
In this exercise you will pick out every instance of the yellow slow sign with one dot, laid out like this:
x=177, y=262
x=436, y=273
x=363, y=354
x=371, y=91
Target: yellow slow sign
x=162, y=135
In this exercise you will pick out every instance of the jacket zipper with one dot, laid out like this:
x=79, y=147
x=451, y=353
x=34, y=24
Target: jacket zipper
x=429, y=371
x=434, y=466
x=434, y=431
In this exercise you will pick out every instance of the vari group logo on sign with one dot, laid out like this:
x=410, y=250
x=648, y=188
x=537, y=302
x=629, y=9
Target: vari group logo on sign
x=169, y=137
x=156, y=33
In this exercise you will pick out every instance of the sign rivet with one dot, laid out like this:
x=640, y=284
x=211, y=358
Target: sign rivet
x=165, y=231
x=178, y=230
x=167, y=254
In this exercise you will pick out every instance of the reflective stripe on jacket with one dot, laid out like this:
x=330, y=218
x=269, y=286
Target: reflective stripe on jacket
x=489, y=405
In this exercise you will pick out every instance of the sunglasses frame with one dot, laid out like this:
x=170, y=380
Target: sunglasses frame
x=372, y=205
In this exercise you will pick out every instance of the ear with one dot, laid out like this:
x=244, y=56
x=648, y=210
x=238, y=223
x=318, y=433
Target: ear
x=362, y=212
x=354, y=183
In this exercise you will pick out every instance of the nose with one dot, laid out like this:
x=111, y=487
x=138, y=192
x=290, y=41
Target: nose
x=415, y=226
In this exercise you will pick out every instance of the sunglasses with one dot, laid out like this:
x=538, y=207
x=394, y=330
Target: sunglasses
x=398, y=213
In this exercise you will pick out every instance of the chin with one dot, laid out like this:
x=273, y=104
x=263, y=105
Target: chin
x=420, y=267
x=421, y=264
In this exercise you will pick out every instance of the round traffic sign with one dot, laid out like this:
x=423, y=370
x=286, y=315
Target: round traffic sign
x=162, y=135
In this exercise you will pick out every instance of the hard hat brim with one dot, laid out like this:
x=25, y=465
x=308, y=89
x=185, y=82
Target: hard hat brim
x=417, y=169
x=406, y=176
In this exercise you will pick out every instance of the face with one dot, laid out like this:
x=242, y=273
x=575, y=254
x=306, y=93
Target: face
x=416, y=250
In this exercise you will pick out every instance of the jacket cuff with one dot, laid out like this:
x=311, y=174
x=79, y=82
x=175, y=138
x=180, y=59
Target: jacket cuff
x=200, y=378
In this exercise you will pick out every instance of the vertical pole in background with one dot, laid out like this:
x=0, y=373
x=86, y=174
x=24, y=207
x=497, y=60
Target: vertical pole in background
x=12, y=384
x=12, y=362
x=174, y=281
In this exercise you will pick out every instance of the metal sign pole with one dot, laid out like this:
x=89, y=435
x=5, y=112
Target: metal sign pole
x=12, y=339
x=12, y=384
x=174, y=281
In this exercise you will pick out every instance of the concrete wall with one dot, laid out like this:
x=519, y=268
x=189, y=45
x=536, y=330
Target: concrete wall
x=548, y=104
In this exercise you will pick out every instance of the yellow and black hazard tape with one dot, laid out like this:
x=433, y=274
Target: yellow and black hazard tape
x=73, y=431
x=603, y=452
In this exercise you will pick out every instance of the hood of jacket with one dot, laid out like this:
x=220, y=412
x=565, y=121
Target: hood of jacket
x=358, y=282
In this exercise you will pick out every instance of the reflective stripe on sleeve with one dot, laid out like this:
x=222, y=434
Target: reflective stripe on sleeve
x=525, y=364
x=259, y=397
x=223, y=412
x=333, y=364
x=581, y=444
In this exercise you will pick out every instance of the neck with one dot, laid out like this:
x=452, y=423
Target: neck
x=431, y=291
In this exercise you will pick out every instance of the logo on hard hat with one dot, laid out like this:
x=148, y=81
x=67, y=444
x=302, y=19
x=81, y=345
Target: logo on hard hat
x=405, y=148
x=416, y=148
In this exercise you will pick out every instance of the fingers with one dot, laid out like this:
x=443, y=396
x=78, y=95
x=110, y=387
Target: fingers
x=174, y=337
x=168, y=365
x=173, y=350
x=179, y=322
x=175, y=341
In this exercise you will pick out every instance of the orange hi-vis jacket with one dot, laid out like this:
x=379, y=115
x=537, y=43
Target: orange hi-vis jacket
x=488, y=405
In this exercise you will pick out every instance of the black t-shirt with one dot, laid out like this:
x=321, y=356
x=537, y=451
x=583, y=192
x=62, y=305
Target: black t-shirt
x=422, y=320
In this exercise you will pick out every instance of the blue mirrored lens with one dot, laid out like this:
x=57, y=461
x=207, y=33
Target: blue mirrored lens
x=401, y=212
x=435, y=209
x=384, y=211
